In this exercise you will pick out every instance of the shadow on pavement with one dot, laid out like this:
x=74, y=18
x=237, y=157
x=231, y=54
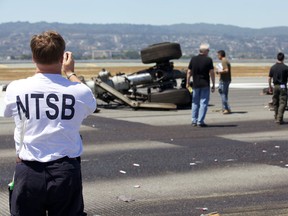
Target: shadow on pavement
x=241, y=112
x=221, y=126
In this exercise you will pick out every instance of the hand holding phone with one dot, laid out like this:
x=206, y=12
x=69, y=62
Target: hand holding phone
x=68, y=63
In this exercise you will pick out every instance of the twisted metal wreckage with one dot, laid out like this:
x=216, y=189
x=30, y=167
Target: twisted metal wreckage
x=152, y=88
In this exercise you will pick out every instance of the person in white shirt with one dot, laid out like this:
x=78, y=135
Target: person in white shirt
x=48, y=110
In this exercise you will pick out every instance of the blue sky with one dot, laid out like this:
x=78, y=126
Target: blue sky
x=244, y=13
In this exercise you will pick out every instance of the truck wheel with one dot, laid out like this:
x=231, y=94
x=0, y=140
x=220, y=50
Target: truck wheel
x=161, y=52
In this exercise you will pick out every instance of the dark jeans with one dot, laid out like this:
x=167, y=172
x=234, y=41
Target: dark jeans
x=55, y=187
x=224, y=91
x=279, y=101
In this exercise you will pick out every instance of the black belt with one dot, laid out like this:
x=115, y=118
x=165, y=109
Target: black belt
x=60, y=160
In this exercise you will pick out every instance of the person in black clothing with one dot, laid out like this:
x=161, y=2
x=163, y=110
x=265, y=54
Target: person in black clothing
x=279, y=74
x=201, y=68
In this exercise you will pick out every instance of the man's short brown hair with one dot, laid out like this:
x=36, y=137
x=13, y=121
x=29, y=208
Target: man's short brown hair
x=47, y=48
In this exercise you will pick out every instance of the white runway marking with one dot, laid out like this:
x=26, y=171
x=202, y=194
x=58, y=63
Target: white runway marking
x=246, y=179
x=126, y=146
x=249, y=85
x=258, y=137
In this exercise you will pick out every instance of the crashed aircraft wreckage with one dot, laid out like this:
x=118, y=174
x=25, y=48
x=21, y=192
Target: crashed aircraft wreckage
x=153, y=88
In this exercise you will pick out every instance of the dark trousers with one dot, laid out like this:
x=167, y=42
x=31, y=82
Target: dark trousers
x=279, y=102
x=53, y=187
x=224, y=91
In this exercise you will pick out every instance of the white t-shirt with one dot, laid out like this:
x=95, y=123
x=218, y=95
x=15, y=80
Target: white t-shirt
x=52, y=109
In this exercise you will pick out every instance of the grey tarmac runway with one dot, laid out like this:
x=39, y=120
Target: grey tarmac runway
x=236, y=166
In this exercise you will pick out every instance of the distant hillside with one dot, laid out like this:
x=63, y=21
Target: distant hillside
x=85, y=40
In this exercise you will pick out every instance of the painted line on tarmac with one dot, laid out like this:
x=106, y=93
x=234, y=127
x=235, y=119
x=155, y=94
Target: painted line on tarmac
x=202, y=184
x=126, y=146
x=248, y=85
x=258, y=137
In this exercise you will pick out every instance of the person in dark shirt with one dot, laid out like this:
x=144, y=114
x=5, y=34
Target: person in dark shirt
x=224, y=71
x=201, y=69
x=279, y=74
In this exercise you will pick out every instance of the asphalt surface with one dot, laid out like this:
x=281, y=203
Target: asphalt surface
x=164, y=166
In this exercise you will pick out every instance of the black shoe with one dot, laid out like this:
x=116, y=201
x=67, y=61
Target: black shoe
x=194, y=125
x=279, y=122
x=97, y=110
x=202, y=125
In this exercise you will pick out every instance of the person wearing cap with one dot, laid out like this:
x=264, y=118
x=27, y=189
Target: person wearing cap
x=224, y=71
x=279, y=75
x=201, y=69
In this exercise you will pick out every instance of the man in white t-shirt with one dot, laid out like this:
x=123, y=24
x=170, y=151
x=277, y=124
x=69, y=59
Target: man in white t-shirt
x=48, y=110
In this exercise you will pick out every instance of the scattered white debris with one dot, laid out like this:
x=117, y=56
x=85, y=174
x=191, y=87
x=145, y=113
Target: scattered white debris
x=125, y=198
x=277, y=147
x=286, y=165
x=202, y=209
x=230, y=160
x=93, y=125
x=216, y=160
x=264, y=151
x=136, y=165
x=137, y=186
x=193, y=164
x=198, y=162
x=210, y=214
x=172, y=140
x=122, y=171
